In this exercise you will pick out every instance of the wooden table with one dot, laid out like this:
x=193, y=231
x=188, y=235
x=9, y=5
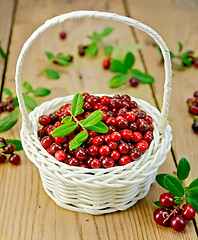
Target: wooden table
x=26, y=212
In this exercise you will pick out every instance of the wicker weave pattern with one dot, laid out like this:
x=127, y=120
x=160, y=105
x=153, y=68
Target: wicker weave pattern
x=96, y=191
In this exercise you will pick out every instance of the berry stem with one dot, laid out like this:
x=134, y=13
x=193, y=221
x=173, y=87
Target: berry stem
x=47, y=65
x=77, y=121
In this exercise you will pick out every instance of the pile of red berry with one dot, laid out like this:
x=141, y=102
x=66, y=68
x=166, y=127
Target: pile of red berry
x=173, y=215
x=7, y=105
x=8, y=149
x=129, y=136
x=193, y=109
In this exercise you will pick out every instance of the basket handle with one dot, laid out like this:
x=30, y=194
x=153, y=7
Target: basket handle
x=163, y=122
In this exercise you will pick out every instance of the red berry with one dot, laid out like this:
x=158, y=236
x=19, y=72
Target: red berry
x=125, y=97
x=193, y=110
x=123, y=148
x=124, y=160
x=44, y=120
x=142, y=146
x=60, y=155
x=136, y=137
x=105, y=116
x=60, y=139
x=41, y=133
x=111, y=130
x=95, y=163
x=104, y=150
x=188, y=212
x=178, y=223
x=195, y=62
x=83, y=165
x=73, y=161
x=63, y=35
x=133, y=126
x=14, y=159
x=81, y=154
x=57, y=124
x=115, y=155
x=134, y=82
x=2, y=158
x=106, y=63
x=149, y=119
x=97, y=141
x=107, y=162
x=105, y=100
x=116, y=136
x=160, y=215
x=135, y=154
x=54, y=117
x=126, y=134
x=113, y=145
x=133, y=104
x=110, y=121
x=130, y=116
x=166, y=200
x=93, y=150
x=46, y=141
x=107, y=139
x=196, y=94
x=55, y=147
x=49, y=151
x=142, y=125
x=122, y=123
x=148, y=137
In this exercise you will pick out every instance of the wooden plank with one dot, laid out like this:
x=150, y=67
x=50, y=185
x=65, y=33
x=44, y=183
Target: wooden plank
x=175, y=21
x=6, y=15
x=36, y=214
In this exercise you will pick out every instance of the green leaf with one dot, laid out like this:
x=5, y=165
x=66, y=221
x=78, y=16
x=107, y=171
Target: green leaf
x=52, y=74
x=2, y=53
x=129, y=60
x=178, y=200
x=64, y=129
x=186, y=61
x=67, y=119
x=17, y=143
x=93, y=118
x=157, y=203
x=160, y=51
x=28, y=86
x=2, y=145
x=95, y=37
x=108, y=50
x=118, y=80
x=183, y=169
x=194, y=190
x=100, y=127
x=29, y=101
x=41, y=92
x=117, y=52
x=118, y=66
x=77, y=104
x=160, y=180
x=106, y=31
x=15, y=102
x=9, y=121
x=192, y=199
x=178, y=66
x=174, y=186
x=180, y=46
x=7, y=92
x=62, y=60
x=78, y=140
x=49, y=55
x=193, y=187
x=142, y=77
x=92, y=49
x=133, y=47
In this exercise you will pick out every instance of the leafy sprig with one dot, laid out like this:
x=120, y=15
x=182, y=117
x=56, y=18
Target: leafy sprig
x=92, y=122
x=2, y=53
x=92, y=49
x=9, y=121
x=176, y=186
x=60, y=59
x=124, y=68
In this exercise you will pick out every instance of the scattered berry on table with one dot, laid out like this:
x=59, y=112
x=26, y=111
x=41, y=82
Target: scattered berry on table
x=192, y=104
x=134, y=82
x=106, y=63
x=63, y=35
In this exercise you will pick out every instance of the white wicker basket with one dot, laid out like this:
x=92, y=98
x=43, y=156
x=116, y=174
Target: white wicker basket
x=96, y=191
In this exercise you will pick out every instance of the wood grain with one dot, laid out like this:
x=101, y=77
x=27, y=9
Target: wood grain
x=26, y=211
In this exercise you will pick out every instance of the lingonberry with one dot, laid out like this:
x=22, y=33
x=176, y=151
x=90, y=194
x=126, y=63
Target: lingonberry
x=142, y=125
x=9, y=148
x=54, y=117
x=9, y=100
x=73, y=161
x=95, y=163
x=63, y=35
x=122, y=123
x=148, y=119
x=60, y=139
x=83, y=165
x=123, y=148
x=133, y=104
x=49, y=151
x=125, y=97
x=134, y=82
x=98, y=140
x=193, y=110
x=118, y=103
x=106, y=63
x=133, y=126
x=116, y=136
x=111, y=121
x=125, y=104
x=178, y=223
x=166, y=200
x=85, y=96
x=104, y=150
x=195, y=126
x=2, y=140
x=2, y=158
x=121, y=112
x=116, y=96
x=93, y=150
x=196, y=94
x=113, y=145
x=124, y=160
x=55, y=147
x=81, y=154
x=148, y=137
x=188, y=212
x=126, y=134
x=107, y=139
x=105, y=100
x=14, y=159
x=115, y=155
x=57, y=124
x=135, y=154
x=160, y=216
x=105, y=116
x=195, y=62
x=46, y=141
x=130, y=116
x=41, y=133
x=44, y=120
x=111, y=130
x=107, y=162
x=60, y=155
x=142, y=146
x=136, y=137
x=9, y=107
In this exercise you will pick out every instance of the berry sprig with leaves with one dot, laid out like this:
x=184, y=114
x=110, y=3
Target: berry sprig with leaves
x=92, y=122
x=176, y=187
x=2, y=53
x=182, y=59
x=124, y=68
x=60, y=59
